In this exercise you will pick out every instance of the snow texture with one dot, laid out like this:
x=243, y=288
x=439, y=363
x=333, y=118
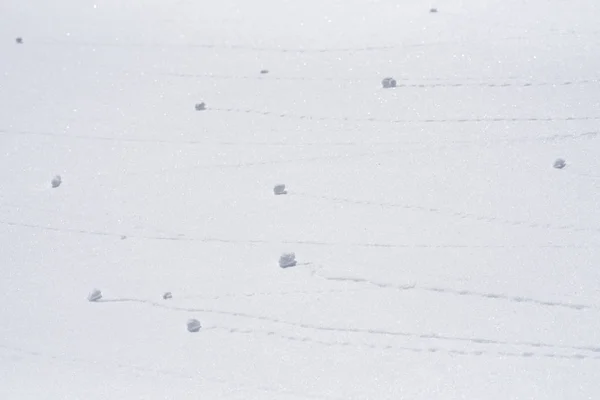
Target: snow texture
x=440, y=255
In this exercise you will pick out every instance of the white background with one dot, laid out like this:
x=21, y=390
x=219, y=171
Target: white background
x=441, y=256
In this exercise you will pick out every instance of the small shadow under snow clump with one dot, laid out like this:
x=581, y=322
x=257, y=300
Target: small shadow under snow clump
x=167, y=296
x=193, y=325
x=388, y=83
x=287, y=260
x=279, y=189
x=200, y=106
x=559, y=163
x=433, y=10
x=56, y=181
x=94, y=295
x=264, y=71
x=19, y=40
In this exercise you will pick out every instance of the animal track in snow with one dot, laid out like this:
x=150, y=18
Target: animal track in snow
x=401, y=120
x=456, y=292
x=362, y=331
x=456, y=214
x=153, y=371
x=422, y=85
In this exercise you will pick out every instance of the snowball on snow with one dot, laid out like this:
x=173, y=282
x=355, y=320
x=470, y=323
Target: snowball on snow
x=559, y=163
x=279, y=189
x=388, y=83
x=193, y=325
x=287, y=260
x=95, y=295
x=56, y=181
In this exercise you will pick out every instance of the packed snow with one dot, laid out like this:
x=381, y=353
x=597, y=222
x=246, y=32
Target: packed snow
x=442, y=251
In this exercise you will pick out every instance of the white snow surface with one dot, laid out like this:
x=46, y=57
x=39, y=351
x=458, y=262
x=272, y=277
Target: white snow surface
x=442, y=256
